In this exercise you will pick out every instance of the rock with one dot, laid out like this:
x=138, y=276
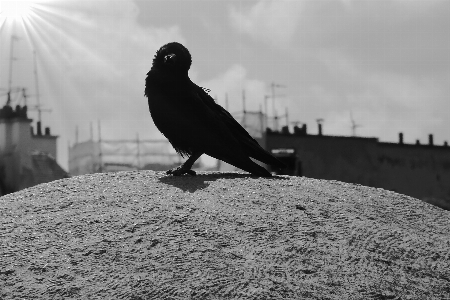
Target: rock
x=145, y=235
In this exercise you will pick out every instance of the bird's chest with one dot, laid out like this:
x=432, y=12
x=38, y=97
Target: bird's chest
x=169, y=108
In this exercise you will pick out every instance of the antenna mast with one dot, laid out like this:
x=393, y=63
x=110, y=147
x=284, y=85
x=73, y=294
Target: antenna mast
x=38, y=105
x=11, y=58
x=354, y=125
x=274, y=85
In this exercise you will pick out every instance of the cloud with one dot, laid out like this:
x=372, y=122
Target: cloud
x=387, y=61
x=92, y=60
x=109, y=57
x=382, y=101
x=408, y=36
x=232, y=83
x=272, y=21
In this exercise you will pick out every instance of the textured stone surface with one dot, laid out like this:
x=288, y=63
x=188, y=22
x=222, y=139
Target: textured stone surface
x=143, y=235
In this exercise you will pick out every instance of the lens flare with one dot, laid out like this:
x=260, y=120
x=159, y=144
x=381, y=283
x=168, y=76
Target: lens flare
x=15, y=9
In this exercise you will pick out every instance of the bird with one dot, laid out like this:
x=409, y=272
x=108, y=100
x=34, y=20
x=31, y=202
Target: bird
x=193, y=122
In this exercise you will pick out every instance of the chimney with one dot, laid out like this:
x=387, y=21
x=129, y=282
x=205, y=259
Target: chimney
x=24, y=112
x=430, y=139
x=300, y=130
x=417, y=142
x=320, y=129
x=445, y=144
x=39, y=130
x=400, y=138
x=47, y=130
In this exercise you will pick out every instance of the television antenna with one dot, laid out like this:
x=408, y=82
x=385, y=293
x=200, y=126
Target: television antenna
x=10, y=89
x=354, y=125
x=296, y=123
x=274, y=85
x=15, y=90
x=38, y=105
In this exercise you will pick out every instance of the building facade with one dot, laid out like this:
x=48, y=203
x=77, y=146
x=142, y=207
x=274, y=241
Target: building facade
x=420, y=171
x=26, y=158
x=121, y=155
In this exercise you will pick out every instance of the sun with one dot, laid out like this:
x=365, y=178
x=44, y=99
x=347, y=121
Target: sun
x=15, y=9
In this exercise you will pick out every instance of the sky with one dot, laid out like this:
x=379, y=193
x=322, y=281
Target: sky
x=383, y=63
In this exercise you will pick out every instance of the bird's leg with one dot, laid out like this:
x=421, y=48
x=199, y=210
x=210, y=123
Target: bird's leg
x=185, y=168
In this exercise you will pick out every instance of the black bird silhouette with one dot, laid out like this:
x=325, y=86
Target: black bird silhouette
x=192, y=121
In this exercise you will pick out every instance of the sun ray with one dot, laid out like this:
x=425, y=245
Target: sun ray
x=16, y=9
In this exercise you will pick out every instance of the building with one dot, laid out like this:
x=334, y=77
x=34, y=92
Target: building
x=122, y=155
x=26, y=158
x=420, y=171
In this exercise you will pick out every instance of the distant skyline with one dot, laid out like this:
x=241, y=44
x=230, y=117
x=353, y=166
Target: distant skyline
x=385, y=62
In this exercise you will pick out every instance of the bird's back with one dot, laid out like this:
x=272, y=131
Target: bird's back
x=247, y=143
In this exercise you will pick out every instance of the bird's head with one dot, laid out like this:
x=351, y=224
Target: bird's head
x=173, y=56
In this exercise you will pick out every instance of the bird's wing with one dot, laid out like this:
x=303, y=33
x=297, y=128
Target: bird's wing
x=249, y=145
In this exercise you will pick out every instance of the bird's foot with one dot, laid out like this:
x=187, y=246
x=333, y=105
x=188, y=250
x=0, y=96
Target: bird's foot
x=180, y=171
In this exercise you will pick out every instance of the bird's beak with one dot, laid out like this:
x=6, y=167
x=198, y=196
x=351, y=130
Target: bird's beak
x=170, y=58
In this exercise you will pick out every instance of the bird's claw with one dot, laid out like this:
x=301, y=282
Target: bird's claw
x=180, y=171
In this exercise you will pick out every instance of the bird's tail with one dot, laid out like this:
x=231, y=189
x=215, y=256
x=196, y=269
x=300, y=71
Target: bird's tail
x=251, y=167
x=254, y=150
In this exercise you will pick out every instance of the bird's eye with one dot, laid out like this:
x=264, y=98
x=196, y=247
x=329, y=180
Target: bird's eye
x=170, y=58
